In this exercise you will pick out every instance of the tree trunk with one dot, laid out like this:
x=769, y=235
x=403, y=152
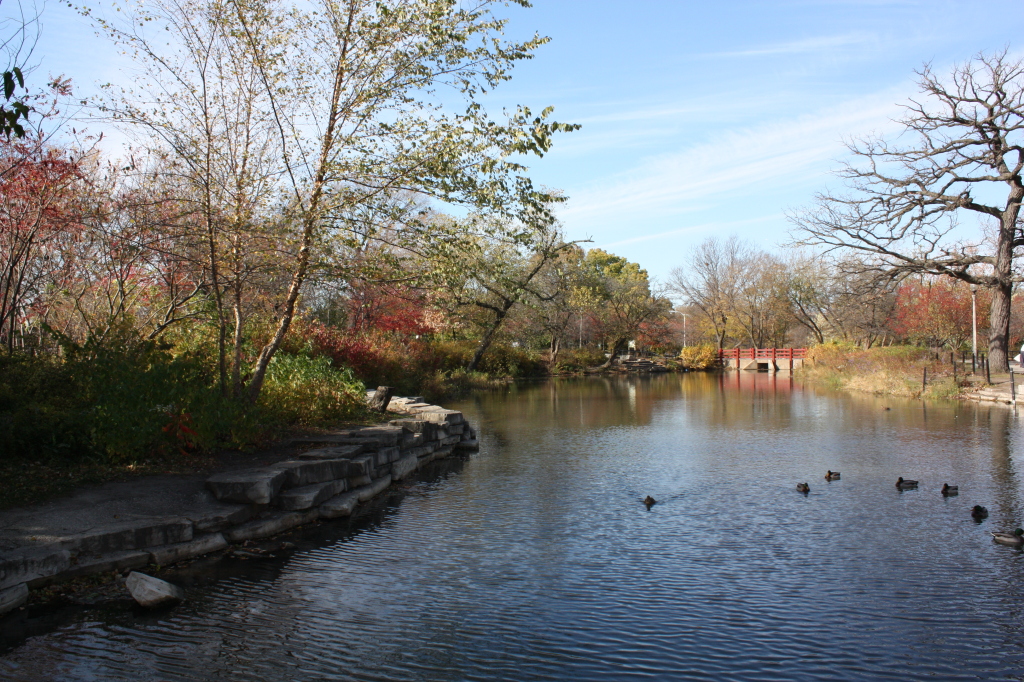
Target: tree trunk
x=999, y=327
x=485, y=342
x=619, y=345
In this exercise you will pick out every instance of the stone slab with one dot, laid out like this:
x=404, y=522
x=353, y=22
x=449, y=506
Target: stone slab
x=309, y=496
x=168, y=554
x=387, y=436
x=468, y=445
x=363, y=465
x=221, y=516
x=340, y=505
x=386, y=456
x=307, y=472
x=405, y=466
x=31, y=564
x=271, y=524
x=132, y=534
x=369, y=491
x=335, y=452
x=359, y=481
x=90, y=564
x=13, y=597
x=416, y=426
x=256, y=486
x=450, y=440
x=439, y=415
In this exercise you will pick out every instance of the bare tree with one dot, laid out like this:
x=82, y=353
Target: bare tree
x=902, y=211
x=709, y=281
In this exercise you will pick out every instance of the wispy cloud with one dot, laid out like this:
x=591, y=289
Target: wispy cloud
x=806, y=45
x=733, y=165
x=717, y=226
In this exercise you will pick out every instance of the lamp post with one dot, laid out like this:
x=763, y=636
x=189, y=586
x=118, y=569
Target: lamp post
x=974, y=321
x=684, y=328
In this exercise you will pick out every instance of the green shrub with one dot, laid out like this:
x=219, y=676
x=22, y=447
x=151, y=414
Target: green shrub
x=307, y=390
x=699, y=357
x=579, y=359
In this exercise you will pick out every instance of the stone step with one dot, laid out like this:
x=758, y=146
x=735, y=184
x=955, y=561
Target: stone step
x=405, y=466
x=337, y=452
x=367, y=492
x=340, y=505
x=309, y=496
x=270, y=524
x=257, y=486
x=168, y=554
x=32, y=564
x=131, y=534
x=303, y=472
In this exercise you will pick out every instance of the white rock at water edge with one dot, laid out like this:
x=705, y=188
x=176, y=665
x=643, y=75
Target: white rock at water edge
x=149, y=591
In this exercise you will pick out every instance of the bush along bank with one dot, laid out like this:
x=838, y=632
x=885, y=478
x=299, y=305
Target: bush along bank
x=40, y=547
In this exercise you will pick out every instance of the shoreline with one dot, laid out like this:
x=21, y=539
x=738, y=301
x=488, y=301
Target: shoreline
x=165, y=520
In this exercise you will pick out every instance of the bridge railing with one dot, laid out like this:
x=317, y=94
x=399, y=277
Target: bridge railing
x=762, y=353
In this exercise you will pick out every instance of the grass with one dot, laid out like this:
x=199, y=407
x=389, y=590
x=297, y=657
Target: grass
x=890, y=370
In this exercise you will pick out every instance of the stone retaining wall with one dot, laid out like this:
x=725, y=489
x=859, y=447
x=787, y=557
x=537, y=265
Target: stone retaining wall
x=341, y=470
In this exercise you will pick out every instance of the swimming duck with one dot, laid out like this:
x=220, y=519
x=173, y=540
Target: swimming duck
x=948, y=489
x=1014, y=539
x=831, y=475
x=979, y=512
x=905, y=484
x=650, y=501
x=803, y=488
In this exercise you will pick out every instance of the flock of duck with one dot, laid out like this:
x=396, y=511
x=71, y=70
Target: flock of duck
x=1014, y=539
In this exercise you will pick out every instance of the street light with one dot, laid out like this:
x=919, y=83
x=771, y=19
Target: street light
x=974, y=321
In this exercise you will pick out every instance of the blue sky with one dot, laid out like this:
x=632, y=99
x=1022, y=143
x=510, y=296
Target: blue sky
x=699, y=118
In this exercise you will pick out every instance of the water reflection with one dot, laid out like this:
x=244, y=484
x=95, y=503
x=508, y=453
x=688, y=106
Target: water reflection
x=537, y=559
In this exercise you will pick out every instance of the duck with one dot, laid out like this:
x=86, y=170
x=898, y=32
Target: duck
x=1014, y=539
x=831, y=475
x=650, y=501
x=803, y=488
x=979, y=512
x=948, y=490
x=904, y=484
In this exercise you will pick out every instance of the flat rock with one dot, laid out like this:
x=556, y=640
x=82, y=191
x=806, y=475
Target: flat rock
x=271, y=524
x=439, y=415
x=168, y=554
x=310, y=495
x=89, y=564
x=469, y=445
x=368, y=492
x=132, y=534
x=386, y=456
x=13, y=597
x=257, y=486
x=404, y=467
x=307, y=472
x=340, y=505
x=221, y=516
x=152, y=592
x=334, y=452
x=359, y=481
x=31, y=564
x=387, y=436
x=363, y=465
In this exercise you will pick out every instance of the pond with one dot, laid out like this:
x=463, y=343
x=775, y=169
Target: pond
x=535, y=559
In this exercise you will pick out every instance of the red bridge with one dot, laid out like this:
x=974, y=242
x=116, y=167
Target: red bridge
x=772, y=359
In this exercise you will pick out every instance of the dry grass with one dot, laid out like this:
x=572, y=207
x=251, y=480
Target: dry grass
x=891, y=370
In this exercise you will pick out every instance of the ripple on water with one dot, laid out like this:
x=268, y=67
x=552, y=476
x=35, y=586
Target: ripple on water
x=536, y=559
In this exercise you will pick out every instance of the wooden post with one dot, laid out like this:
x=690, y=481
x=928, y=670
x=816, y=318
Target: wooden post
x=924, y=381
x=1013, y=389
x=988, y=370
x=974, y=358
x=790, y=360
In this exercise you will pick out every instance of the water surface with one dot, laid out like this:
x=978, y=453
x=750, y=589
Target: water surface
x=535, y=559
